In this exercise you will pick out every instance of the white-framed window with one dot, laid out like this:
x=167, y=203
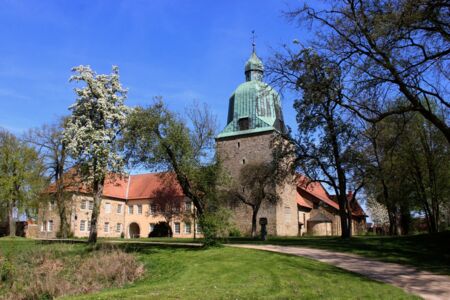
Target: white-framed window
x=119, y=208
x=50, y=225
x=107, y=208
x=130, y=209
x=187, y=228
x=118, y=227
x=88, y=225
x=198, y=229
x=152, y=209
x=91, y=205
x=82, y=225
x=177, y=227
x=83, y=204
x=106, y=227
x=188, y=205
x=43, y=226
x=151, y=226
x=139, y=209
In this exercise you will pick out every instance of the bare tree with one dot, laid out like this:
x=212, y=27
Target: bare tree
x=49, y=141
x=388, y=49
x=257, y=185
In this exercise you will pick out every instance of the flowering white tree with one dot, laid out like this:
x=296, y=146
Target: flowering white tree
x=377, y=212
x=98, y=116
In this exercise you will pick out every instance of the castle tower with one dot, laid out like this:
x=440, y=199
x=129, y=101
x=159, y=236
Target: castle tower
x=254, y=119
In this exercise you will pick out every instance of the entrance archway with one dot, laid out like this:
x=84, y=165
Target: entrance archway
x=134, y=231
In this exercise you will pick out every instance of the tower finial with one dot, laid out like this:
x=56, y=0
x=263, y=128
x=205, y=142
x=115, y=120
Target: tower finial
x=253, y=40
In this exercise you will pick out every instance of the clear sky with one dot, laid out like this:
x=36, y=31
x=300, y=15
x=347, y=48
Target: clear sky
x=181, y=50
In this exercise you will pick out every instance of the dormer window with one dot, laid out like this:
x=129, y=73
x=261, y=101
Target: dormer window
x=244, y=123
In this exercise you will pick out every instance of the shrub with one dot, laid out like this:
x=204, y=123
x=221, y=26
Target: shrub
x=161, y=229
x=215, y=226
x=234, y=232
x=46, y=273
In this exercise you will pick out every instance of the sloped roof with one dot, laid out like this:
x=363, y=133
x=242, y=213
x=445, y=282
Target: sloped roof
x=132, y=187
x=302, y=201
x=317, y=190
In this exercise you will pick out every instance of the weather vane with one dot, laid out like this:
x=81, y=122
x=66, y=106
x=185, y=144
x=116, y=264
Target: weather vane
x=253, y=40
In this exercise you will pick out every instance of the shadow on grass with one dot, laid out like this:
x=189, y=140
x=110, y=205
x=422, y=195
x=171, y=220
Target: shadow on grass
x=426, y=251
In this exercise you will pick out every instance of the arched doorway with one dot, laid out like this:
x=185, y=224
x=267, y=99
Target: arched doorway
x=134, y=230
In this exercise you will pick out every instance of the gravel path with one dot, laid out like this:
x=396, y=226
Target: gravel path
x=424, y=284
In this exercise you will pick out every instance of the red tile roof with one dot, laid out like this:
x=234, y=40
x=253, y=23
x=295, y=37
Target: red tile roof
x=317, y=190
x=302, y=201
x=140, y=186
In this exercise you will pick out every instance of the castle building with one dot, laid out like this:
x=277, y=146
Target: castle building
x=131, y=206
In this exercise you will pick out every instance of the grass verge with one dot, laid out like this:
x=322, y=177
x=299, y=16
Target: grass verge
x=429, y=252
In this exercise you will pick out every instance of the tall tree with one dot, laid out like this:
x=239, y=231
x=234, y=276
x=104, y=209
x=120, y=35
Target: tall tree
x=93, y=130
x=21, y=176
x=327, y=144
x=256, y=186
x=49, y=141
x=409, y=171
x=389, y=48
x=157, y=138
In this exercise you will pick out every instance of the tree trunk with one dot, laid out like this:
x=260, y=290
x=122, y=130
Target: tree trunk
x=97, y=195
x=64, y=228
x=254, y=219
x=345, y=227
x=11, y=221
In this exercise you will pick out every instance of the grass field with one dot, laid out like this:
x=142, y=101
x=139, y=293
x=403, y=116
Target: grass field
x=226, y=273
x=429, y=252
x=424, y=251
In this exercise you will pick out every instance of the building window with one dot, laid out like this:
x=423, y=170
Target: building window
x=82, y=225
x=50, y=226
x=243, y=161
x=198, y=229
x=118, y=227
x=177, y=228
x=106, y=227
x=89, y=225
x=139, y=209
x=187, y=228
x=188, y=205
x=43, y=226
x=91, y=205
x=239, y=145
x=152, y=209
x=130, y=209
x=151, y=227
x=107, y=208
x=83, y=204
x=119, y=208
x=244, y=123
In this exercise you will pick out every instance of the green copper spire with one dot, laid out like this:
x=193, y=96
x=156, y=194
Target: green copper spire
x=254, y=106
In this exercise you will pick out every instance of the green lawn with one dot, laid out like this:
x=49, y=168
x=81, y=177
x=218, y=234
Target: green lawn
x=228, y=273
x=429, y=252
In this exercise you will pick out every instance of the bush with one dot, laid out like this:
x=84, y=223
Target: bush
x=234, y=232
x=47, y=273
x=215, y=226
x=161, y=229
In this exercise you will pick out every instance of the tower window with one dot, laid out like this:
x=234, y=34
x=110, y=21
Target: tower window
x=244, y=123
x=239, y=145
x=243, y=161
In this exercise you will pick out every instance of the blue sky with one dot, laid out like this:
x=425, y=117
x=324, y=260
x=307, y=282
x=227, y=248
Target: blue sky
x=181, y=50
